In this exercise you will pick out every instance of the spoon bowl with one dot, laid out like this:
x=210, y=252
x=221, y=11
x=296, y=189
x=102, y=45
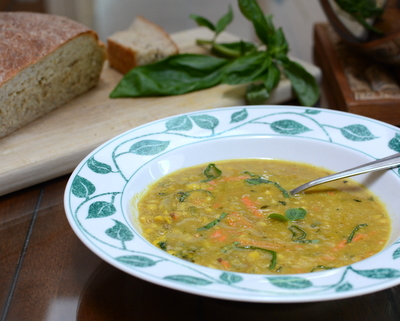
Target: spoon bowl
x=378, y=165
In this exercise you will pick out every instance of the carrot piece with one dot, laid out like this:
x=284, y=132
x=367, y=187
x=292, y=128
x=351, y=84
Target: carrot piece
x=328, y=258
x=218, y=235
x=358, y=236
x=233, y=178
x=174, y=215
x=251, y=205
x=237, y=220
x=224, y=263
x=227, y=179
x=341, y=245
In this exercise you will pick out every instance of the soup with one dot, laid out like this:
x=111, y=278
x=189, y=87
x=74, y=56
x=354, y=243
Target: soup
x=238, y=216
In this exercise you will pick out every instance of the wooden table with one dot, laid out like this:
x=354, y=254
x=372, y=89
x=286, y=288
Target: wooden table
x=47, y=274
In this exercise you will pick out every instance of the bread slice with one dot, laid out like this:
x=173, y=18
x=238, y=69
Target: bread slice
x=46, y=61
x=143, y=43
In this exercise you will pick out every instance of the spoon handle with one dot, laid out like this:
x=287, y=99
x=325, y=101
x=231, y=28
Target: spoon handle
x=380, y=164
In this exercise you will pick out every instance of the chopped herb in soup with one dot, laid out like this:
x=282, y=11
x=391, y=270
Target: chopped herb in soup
x=239, y=216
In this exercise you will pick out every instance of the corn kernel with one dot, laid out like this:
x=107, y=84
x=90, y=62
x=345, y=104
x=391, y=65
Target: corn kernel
x=159, y=219
x=192, y=186
x=253, y=255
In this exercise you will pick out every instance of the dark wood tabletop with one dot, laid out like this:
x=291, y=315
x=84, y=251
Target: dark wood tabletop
x=47, y=274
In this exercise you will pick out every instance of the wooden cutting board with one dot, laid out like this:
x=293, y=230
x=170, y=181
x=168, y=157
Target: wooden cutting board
x=55, y=144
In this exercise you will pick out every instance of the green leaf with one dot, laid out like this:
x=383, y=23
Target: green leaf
x=288, y=127
x=224, y=21
x=120, y=232
x=101, y=209
x=278, y=217
x=203, y=22
x=148, y=147
x=136, y=260
x=212, y=172
x=205, y=121
x=394, y=143
x=304, y=84
x=272, y=265
x=290, y=282
x=379, y=273
x=233, y=49
x=175, y=75
x=344, y=287
x=272, y=78
x=98, y=167
x=251, y=10
x=357, y=133
x=182, y=196
x=295, y=214
x=213, y=223
x=239, y=116
x=187, y=279
x=260, y=180
x=350, y=238
x=312, y=111
x=81, y=187
x=179, y=123
x=246, y=69
x=230, y=278
x=396, y=253
x=360, y=10
x=322, y=267
x=277, y=41
x=163, y=245
x=256, y=94
x=299, y=235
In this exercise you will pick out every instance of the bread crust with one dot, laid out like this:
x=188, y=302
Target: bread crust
x=143, y=43
x=120, y=57
x=27, y=37
x=46, y=61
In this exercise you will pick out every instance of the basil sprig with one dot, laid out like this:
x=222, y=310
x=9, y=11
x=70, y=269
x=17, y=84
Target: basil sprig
x=241, y=63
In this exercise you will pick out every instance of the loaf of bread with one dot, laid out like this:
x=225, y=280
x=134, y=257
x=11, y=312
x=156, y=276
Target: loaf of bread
x=143, y=43
x=45, y=61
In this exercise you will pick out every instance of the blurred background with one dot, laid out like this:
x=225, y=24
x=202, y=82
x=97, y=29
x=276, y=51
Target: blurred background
x=108, y=16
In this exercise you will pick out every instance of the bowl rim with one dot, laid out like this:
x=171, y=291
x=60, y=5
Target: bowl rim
x=287, y=288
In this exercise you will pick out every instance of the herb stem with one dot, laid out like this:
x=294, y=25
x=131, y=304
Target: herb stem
x=273, y=253
x=213, y=223
x=350, y=238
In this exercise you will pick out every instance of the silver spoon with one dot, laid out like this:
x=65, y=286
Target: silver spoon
x=380, y=164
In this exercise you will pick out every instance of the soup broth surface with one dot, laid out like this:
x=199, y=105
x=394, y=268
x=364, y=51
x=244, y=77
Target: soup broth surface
x=238, y=216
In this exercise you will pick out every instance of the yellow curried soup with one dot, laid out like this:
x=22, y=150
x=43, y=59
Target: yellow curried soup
x=238, y=216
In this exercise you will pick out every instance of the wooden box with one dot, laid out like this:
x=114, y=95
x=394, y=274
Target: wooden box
x=354, y=83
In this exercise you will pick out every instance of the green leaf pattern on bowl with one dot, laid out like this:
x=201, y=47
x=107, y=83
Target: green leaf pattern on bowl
x=93, y=205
